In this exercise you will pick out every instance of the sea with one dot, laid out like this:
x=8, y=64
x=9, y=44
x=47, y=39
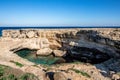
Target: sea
x=55, y=27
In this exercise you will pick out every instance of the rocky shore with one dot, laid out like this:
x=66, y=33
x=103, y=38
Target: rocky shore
x=85, y=54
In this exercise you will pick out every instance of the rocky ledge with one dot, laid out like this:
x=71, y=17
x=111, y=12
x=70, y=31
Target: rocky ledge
x=87, y=54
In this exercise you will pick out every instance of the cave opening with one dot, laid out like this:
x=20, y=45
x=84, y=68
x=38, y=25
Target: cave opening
x=86, y=55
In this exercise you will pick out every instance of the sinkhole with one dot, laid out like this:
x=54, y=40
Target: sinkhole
x=31, y=56
x=79, y=54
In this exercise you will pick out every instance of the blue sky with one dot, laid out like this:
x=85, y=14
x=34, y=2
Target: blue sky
x=59, y=12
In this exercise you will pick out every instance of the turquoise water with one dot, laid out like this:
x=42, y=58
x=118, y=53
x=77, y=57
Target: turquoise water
x=31, y=56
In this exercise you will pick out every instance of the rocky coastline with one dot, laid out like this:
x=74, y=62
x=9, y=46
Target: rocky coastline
x=85, y=54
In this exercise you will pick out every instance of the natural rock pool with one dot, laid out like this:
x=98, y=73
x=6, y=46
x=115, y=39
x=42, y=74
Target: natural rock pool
x=80, y=54
x=31, y=56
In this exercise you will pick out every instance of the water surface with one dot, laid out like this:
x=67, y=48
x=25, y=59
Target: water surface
x=31, y=56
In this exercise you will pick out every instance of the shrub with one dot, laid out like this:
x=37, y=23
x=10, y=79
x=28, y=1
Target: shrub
x=1, y=70
x=17, y=63
x=28, y=76
x=81, y=72
x=11, y=77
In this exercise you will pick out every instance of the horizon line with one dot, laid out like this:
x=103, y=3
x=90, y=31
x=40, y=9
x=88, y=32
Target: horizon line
x=62, y=26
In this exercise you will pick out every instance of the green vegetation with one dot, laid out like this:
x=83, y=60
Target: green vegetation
x=78, y=62
x=17, y=63
x=48, y=69
x=12, y=77
x=81, y=72
x=118, y=73
x=36, y=66
x=8, y=73
x=9, y=77
x=28, y=76
x=1, y=71
x=45, y=65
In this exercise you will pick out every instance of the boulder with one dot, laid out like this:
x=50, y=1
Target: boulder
x=59, y=53
x=30, y=34
x=44, y=52
x=115, y=77
x=72, y=43
x=60, y=76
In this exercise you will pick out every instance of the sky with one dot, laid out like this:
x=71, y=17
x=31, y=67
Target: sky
x=59, y=12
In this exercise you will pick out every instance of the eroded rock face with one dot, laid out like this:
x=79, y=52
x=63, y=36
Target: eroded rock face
x=60, y=76
x=44, y=52
x=111, y=51
x=54, y=44
x=41, y=74
x=59, y=53
x=30, y=34
x=54, y=39
x=91, y=45
x=89, y=55
x=34, y=43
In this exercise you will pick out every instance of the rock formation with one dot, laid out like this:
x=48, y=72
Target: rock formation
x=44, y=52
x=88, y=45
x=59, y=53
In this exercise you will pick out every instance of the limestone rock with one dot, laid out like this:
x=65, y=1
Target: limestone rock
x=59, y=53
x=36, y=71
x=88, y=54
x=60, y=76
x=5, y=33
x=104, y=40
x=103, y=48
x=34, y=43
x=22, y=36
x=44, y=52
x=30, y=34
x=15, y=34
x=54, y=44
x=72, y=43
x=11, y=33
x=115, y=77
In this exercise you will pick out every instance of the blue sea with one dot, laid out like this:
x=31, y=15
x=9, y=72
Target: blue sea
x=57, y=27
